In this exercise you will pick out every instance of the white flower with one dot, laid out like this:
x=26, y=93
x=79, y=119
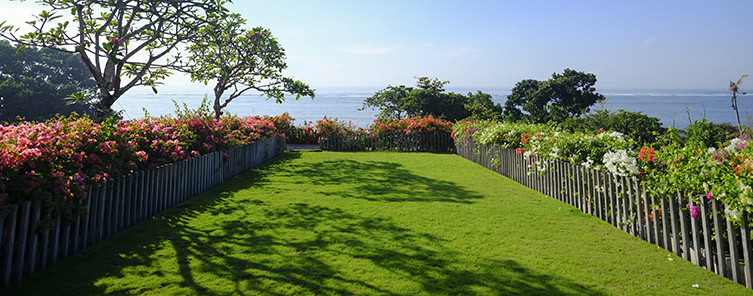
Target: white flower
x=527, y=154
x=588, y=162
x=555, y=152
x=733, y=213
x=620, y=163
x=733, y=144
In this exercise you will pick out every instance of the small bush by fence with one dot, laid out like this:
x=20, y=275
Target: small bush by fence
x=28, y=246
x=698, y=232
x=434, y=142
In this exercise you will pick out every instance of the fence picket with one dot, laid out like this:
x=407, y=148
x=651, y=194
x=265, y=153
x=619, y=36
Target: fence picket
x=696, y=238
x=706, y=236
x=8, y=256
x=745, y=238
x=720, y=250
x=23, y=235
x=674, y=217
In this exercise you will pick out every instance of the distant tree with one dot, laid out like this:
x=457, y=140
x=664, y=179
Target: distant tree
x=708, y=134
x=481, y=107
x=639, y=127
x=565, y=95
x=34, y=83
x=241, y=60
x=117, y=39
x=734, y=87
x=429, y=98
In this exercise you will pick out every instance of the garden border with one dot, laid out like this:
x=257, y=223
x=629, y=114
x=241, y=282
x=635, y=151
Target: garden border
x=116, y=205
x=618, y=200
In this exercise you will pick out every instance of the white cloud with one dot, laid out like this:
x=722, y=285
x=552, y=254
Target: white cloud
x=368, y=50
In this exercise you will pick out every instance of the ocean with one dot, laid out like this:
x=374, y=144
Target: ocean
x=673, y=107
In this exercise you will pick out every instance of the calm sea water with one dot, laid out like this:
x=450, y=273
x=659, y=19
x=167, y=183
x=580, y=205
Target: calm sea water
x=672, y=107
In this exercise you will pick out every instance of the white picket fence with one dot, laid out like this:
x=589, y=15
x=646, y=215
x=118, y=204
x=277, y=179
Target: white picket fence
x=116, y=205
x=710, y=241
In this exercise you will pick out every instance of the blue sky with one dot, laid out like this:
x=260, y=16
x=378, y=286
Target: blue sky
x=627, y=44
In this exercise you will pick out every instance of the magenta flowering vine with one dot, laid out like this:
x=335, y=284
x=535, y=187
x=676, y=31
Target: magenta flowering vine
x=55, y=160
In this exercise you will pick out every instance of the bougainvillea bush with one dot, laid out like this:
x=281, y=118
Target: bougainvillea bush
x=54, y=161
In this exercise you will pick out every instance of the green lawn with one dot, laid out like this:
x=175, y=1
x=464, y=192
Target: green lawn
x=373, y=223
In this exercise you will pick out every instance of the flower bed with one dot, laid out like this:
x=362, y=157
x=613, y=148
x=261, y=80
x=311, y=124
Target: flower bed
x=53, y=161
x=724, y=173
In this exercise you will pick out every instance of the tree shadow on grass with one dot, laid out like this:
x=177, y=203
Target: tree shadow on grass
x=229, y=242
x=383, y=181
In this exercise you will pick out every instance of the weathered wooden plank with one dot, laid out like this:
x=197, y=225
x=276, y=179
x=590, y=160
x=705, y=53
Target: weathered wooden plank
x=684, y=229
x=8, y=255
x=66, y=241
x=734, y=258
x=76, y=230
x=665, y=225
x=746, y=249
x=635, y=204
x=56, y=240
x=23, y=234
x=720, y=250
x=696, y=237
x=673, y=212
x=655, y=221
x=101, y=214
x=116, y=210
x=706, y=235
x=36, y=213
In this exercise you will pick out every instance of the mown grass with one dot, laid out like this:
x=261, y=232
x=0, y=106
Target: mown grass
x=373, y=223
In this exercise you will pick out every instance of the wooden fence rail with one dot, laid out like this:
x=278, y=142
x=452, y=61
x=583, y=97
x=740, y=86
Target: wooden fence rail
x=435, y=142
x=26, y=248
x=710, y=240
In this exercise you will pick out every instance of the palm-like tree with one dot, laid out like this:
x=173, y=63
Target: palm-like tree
x=735, y=87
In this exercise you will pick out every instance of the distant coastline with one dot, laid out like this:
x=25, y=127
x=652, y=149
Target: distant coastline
x=672, y=107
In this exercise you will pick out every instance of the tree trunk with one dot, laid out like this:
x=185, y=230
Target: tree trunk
x=737, y=113
x=103, y=110
x=217, y=105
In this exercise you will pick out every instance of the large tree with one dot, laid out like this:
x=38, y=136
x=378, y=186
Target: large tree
x=238, y=60
x=429, y=98
x=34, y=83
x=121, y=42
x=563, y=96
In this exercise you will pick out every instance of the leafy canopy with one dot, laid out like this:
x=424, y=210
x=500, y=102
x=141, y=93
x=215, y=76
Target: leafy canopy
x=121, y=42
x=240, y=59
x=429, y=98
x=34, y=82
x=565, y=95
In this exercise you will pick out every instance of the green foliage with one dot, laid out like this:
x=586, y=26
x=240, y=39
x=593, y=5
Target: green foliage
x=241, y=60
x=34, y=83
x=639, y=127
x=708, y=134
x=120, y=42
x=481, y=107
x=565, y=95
x=429, y=98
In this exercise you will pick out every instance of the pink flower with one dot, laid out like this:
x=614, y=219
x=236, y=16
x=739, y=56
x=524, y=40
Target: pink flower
x=694, y=211
x=117, y=41
x=709, y=196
